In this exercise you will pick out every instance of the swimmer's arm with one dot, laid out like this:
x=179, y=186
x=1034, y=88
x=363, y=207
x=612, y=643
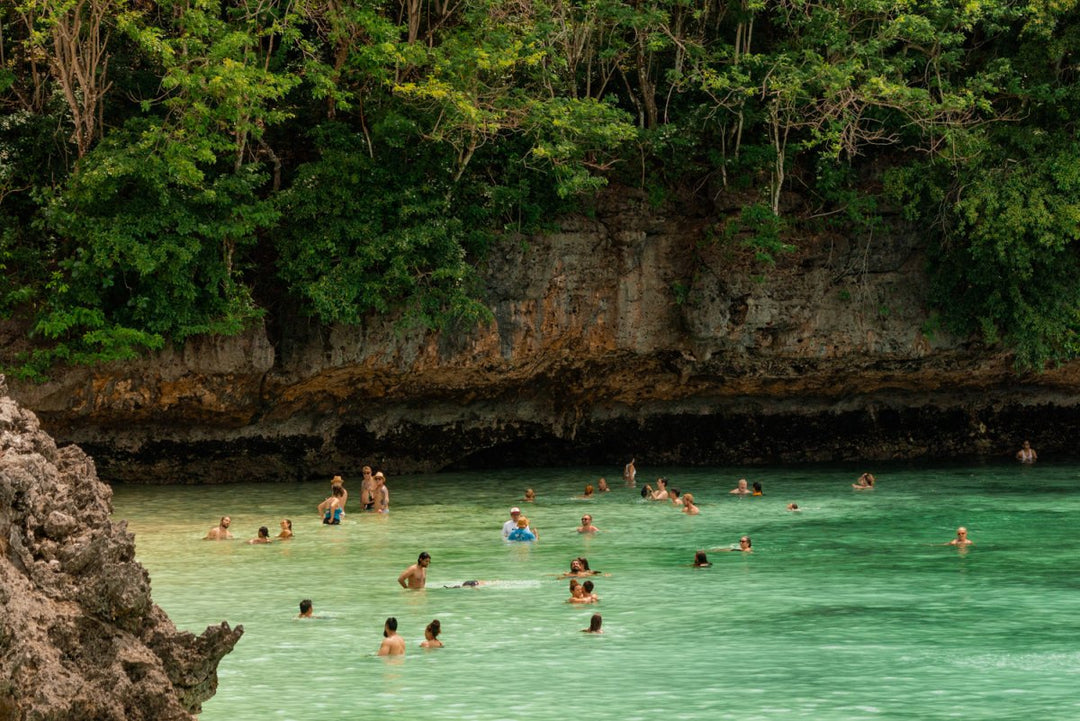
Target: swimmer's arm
x=404, y=575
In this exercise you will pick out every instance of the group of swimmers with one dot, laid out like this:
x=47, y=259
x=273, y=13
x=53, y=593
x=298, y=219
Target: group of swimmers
x=374, y=496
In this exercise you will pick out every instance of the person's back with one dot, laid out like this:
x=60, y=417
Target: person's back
x=392, y=644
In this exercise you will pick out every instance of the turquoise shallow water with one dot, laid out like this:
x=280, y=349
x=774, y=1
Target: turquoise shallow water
x=849, y=609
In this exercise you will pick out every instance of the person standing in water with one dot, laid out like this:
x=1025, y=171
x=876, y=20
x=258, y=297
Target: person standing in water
x=392, y=644
x=382, y=494
x=415, y=576
x=1027, y=454
x=263, y=537
x=629, y=473
x=367, y=491
x=961, y=539
x=431, y=635
x=331, y=507
x=220, y=532
x=338, y=481
x=740, y=489
x=594, y=624
x=286, y=530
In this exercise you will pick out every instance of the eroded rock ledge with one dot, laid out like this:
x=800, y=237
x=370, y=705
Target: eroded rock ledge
x=80, y=637
x=624, y=333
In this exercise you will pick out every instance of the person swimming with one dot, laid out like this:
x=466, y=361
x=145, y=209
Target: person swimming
x=431, y=635
x=701, y=560
x=594, y=624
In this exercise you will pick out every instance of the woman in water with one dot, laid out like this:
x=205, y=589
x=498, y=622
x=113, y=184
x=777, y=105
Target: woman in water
x=688, y=506
x=263, y=537
x=331, y=508
x=865, y=482
x=286, y=529
x=757, y=489
x=594, y=624
x=431, y=635
x=701, y=560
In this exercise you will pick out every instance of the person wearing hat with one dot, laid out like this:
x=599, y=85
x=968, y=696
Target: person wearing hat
x=339, y=481
x=512, y=524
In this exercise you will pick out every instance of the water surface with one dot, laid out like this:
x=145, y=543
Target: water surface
x=848, y=609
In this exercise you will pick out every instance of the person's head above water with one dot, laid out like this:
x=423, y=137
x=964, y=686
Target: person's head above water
x=305, y=607
x=433, y=629
x=700, y=559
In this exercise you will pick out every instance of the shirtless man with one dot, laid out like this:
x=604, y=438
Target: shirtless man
x=744, y=546
x=306, y=609
x=688, y=505
x=661, y=492
x=866, y=482
x=220, y=532
x=586, y=525
x=961, y=538
x=741, y=489
x=415, y=576
x=392, y=644
x=367, y=491
x=629, y=473
x=1027, y=454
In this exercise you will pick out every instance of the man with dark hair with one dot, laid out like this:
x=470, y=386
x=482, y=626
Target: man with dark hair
x=392, y=644
x=306, y=610
x=415, y=576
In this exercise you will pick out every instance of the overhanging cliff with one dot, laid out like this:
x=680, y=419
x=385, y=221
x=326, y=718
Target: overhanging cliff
x=624, y=333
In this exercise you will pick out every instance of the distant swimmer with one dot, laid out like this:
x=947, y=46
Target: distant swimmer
x=580, y=567
x=744, y=546
x=577, y=593
x=675, y=496
x=589, y=491
x=306, y=609
x=701, y=560
x=961, y=538
x=587, y=525
x=740, y=489
x=220, y=532
x=392, y=644
x=286, y=530
x=793, y=506
x=415, y=576
x=865, y=483
x=431, y=635
x=595, y=624
x=263, y=537
x=522, y=532
x=602, y=486
x=331, y=507
x=1027, y=454
x=688, y=506
x=629, y=473
x=588, y=587
x=661, y=492
x=469, y=584
x=757, y=489
x=530, y=495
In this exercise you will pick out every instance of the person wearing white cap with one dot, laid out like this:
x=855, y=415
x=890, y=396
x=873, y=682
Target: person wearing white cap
x=511, y=525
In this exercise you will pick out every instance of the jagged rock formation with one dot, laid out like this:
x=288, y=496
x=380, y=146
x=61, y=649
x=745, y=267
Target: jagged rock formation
x=624, y=333
x=80, y=637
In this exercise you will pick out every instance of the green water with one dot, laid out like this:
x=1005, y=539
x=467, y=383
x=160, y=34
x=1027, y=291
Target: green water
x=849, y=609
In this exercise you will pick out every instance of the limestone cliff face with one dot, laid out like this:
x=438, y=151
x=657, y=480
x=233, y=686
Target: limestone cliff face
x=80, y=637
x=624, y=333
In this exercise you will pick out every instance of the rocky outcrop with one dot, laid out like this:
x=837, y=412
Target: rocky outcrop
x=80, y=637
x=631, y=331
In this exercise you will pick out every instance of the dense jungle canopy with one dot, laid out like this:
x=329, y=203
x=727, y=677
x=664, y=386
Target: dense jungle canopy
x=170, y=168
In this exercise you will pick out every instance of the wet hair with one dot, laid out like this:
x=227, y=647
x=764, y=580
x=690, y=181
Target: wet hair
x=700, y=559
x=338, y=490
x=422, y=556
x=589, y=489
x=663, y=480
x=644, y=491
x=748, y=542
x=222, y=521
x=305, y=605
x=676, y=492
x=588, y=586
x=264, y=532
x=577, y=561
x=434, y=628
x=757, y=486
x=288, y=523
x=688, y=498
x=594, y=622
x=573, y=584
x=584, y=563
x=391, y=623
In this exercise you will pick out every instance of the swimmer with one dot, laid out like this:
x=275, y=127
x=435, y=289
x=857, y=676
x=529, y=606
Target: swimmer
x=961, y=539
x=661, y=492
x=392, y=644
x=1027, y=454
x=865, y=483
x=740, y=489
x=306, y=610
x=793, y=506
x=579, y=567
x=367, y=491
x=331, y=507
x=688, y=506
x=530, y=495
x=586, y=525
x=744, y=546
x=286, y=530
x=587, y=589
x=415, y=576
x=676, y=497
x=757, y=489
x=522, y=532
x=602, y=486
x=594, y=624
x=220, y=532
x=701, y=560
x=468, y=584
x=577, y=593
x=338, y=481
x=431, y=635
x=629, y=473
x=589, y=490
x=263, y=537
x=511, y=525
